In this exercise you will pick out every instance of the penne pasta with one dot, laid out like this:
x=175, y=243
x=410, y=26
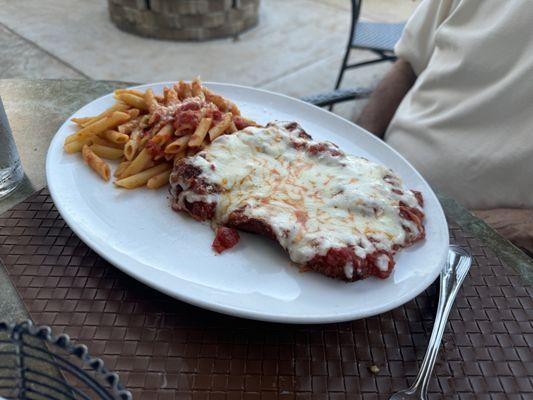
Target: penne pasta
x=196, y=88
x=129, y=91
x=150, y=100
x=76, y=145
x=89, y=120
x=81, y=121
x=179, y=156
x=115, y=137
x=132, y=145
x=177, y=145
x=221, y=127
x=233, y=108
x=159, y=180
x=133, y=100
x=121, y=167
x=107, y=152
x=183, y=89
x=148, y=132
x=201, y=131
x=141, y=178
x=95, y=162
x=134, y=112
x=170, y=96
x=129, y=126
x=216, y=99
x=103, y=142
x=232, y=128
x=138, y=164
x=108, y=122
x=164, y=134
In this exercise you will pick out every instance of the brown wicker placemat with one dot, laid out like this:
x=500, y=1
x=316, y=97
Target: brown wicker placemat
x=165, y=349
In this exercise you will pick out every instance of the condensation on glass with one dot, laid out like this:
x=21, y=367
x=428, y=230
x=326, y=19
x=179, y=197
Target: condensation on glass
x=11, y=172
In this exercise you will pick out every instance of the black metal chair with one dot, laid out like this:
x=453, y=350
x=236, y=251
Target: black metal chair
x=379, y=38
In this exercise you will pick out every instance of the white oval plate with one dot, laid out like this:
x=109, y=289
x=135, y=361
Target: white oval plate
x=138, y=232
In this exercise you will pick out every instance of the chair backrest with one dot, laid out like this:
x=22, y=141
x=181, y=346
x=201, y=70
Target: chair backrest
x=356, y=10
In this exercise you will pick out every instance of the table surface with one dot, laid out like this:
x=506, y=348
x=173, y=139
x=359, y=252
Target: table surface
x=36, y=109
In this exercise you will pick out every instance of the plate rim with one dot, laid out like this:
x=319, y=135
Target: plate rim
x=243, y=312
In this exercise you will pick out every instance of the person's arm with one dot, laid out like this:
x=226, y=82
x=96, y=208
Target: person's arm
x=386, y=98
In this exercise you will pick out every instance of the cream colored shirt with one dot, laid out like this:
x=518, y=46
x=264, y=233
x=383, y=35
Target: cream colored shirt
x=467, y=123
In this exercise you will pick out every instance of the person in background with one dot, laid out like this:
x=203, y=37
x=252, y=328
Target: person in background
x=458, y=104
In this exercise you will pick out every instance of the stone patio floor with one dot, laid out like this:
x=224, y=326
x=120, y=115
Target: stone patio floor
x=296, y=49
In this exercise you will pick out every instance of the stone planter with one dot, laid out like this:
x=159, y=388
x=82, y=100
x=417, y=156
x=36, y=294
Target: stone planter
x=184, y=19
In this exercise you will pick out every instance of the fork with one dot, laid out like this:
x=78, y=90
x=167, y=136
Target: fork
x=451, y=278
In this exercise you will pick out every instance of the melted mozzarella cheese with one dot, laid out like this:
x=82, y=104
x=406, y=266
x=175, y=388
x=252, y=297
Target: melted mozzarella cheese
x=313, y=202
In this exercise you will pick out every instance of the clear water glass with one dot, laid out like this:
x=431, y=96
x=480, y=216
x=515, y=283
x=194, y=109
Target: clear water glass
x=11, y=172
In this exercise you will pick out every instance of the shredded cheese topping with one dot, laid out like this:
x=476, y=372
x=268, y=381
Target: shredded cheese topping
x=314, y=201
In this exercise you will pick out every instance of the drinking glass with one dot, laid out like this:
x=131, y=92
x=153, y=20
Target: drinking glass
x=11, y=172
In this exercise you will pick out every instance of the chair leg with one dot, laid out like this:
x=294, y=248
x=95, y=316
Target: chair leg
x=343, y=68
x=341, y=72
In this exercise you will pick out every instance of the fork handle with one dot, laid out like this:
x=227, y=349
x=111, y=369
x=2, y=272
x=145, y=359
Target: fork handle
x=449, y=286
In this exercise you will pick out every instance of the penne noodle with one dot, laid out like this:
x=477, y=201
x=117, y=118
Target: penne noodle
x=94, y=120
x=164, y=134
x=133, y=100
x=129, y=126
x=170, y=95
x=144, y=122
x=145, y=139
x=221, y=127
x=218, y=100
x=134, y=112
x=108, y=122
x=159, y=180
x=247, y=122
x=148, y=133
x=182, y=128
x=179, y=156
x=132, y=145
x=201, y=131
x=81, y=121
x=150, y=100
x=196, y=88
x=76, y=146
x=121, y=167
x=232, y=128
x=109, y=111
x=129, y=91
x=141, y=178
x=107, y=143
x=233, y=108
x=115, y=137
x=177, y=145
x=183, y=89
x=95, y=162
x=107, y=152
x=130, y=149
x=138, y=164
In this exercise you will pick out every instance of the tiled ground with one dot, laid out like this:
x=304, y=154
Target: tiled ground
x=296, y=49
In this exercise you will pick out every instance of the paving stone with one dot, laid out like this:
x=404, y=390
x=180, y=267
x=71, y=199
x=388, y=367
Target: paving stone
x=21, y=59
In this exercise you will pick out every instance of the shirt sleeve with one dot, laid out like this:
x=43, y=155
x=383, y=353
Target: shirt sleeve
x=417, y=42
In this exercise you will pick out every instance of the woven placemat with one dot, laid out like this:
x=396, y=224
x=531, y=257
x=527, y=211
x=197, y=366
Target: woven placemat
x=165, y=349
